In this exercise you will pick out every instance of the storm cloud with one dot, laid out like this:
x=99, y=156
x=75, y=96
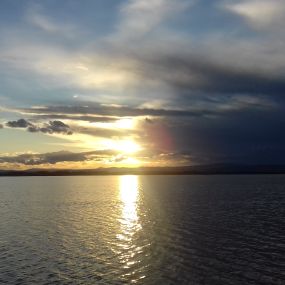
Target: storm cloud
x=253, y=136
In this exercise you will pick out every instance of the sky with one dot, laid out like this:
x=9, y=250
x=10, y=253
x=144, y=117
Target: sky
x=92, y=83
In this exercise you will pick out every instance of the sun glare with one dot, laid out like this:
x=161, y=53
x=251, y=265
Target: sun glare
x=124, y=146
x=129, y=191
x=128, y=146
x=125, y=124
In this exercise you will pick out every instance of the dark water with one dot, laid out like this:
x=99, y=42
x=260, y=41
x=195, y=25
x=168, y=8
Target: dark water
x=143, y=229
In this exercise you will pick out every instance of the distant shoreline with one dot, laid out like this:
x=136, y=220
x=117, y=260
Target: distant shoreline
x=216, y=169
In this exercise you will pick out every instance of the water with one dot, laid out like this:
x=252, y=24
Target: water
x=142, y=230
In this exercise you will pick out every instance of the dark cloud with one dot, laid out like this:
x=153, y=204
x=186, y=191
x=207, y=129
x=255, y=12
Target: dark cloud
x=122, y=111
x=1, y=126
x=58, y=127
x=148, y=120
x=202, y=107
x=104, y=133
x=56, y=157
x=21, y=123
x=52, y=127
x=191, y=72
x=90, y=119
x=251, y=136
x=55, y=127
x=209, y=66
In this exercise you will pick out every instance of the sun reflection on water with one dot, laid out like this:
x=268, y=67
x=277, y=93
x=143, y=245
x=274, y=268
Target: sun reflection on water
x=129, y=192
x=128, y=245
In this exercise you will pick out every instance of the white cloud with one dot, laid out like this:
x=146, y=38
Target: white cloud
x=65, y=68
x=139, y=17
x=259, y=13
x=38, y=19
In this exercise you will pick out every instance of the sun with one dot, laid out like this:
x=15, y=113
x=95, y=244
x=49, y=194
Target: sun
x=127, y=146
x=125, y=124
x=124, y=146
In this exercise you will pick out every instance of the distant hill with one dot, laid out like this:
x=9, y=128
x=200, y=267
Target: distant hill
x=184, y=170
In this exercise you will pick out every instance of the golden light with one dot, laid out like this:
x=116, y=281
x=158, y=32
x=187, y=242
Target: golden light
x=128, y=146
x=124, y=146
x=129, y=192
x=125, y=124
x=132, y=161
x=127, y=246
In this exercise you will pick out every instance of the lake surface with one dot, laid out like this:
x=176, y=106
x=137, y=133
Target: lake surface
x=143, y=230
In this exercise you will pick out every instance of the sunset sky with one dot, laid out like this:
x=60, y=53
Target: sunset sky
x=104, y=83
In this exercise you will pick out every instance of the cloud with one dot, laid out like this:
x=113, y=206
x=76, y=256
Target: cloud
x=199, y=108
x=180, y=67
x=32, y=159
x=139, y=17
x=184, y=72
x=52, y=127
x=103, y=133
x=55, y=159
x=259, y=13
x=250, y=135
x=59, y=127
x=90, y=119
x=162, y=66
x=148, y=120
x=221, y=89
x=246, y=136
x=38, y=19
x=21, y=123
x=107, y=110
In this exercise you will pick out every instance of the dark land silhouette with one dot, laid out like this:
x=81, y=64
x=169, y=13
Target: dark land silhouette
x=184, y=170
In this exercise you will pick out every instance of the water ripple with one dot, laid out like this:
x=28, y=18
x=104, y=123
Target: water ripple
x=142, y=230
